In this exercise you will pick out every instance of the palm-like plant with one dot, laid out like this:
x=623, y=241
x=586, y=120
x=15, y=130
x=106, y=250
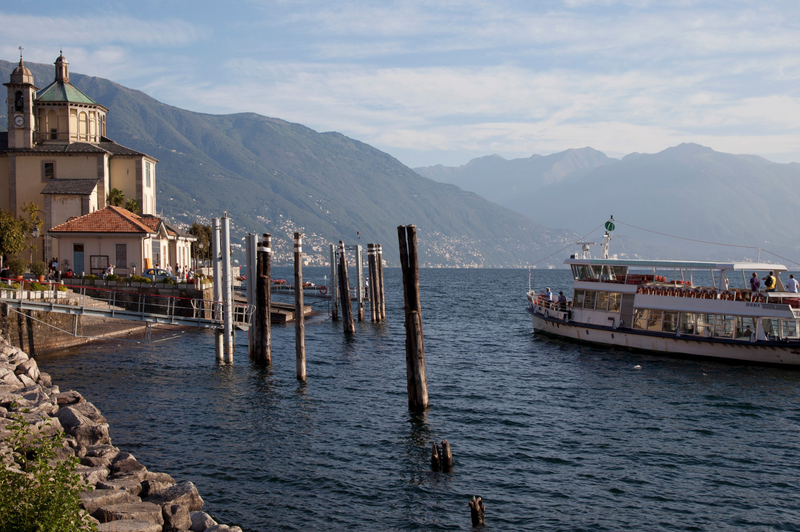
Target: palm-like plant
x=132, y=205
x=116, y=198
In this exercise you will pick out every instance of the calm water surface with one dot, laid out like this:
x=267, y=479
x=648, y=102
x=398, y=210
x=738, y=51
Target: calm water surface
x=553, y=435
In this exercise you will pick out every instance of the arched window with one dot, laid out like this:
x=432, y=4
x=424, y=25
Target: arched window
x=82, y=126
x=52, y=124
x=18, y=101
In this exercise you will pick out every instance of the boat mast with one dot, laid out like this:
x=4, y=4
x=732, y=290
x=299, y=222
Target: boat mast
x=607, y=236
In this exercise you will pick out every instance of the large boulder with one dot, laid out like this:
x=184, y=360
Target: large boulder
x=91, y=501
x=17, y=357
x=223, y=528
x=67, y=398
x=92, y=475
x=151, y=487
x=201, y=521
x=129, y=525
x=90, y=411
x=184, y=494
x=131, y=485
x=85, y=431
x=127, y=467
x=28, y=367
x=143, y=511
x=176, y=518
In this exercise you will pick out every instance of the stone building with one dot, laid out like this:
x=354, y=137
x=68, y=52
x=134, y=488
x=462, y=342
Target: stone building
x=56, y=154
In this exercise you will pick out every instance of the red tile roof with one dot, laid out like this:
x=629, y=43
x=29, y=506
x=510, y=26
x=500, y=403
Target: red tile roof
x=109, y=220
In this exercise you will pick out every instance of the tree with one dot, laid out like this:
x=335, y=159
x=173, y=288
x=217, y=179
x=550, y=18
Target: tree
x=31, y=223
x=201, y=248
x=132, y=205
x=12, y=235
x=116, y=198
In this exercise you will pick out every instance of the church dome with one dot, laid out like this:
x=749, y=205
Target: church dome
x=21, y=74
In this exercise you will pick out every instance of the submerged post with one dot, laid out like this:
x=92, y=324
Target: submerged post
x=299, y=317
x=250, y=263
x=416, y=379
x=216, y=263
x=332, y=289
x=262, y=353
x=344, y=292
x=381, y=291
x=227, y=290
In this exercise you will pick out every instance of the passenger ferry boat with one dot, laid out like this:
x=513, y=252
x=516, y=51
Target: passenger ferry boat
x=631, y=303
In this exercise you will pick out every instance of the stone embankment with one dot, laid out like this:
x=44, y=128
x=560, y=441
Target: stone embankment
x=127, y=497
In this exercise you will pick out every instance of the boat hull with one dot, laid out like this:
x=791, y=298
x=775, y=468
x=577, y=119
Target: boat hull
x=773, y=353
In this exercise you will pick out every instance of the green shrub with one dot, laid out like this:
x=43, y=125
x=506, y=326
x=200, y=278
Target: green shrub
x=62, y=288
x=90, y=277
x=39, y=492
x=18, y=265
x=112, y=277
x=38, y=268
x=167, y=281
x=139, y=279
x=36, y=287
x=4, y=286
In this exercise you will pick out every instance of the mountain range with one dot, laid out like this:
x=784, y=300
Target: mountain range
x=274, y=176
x=690, y=191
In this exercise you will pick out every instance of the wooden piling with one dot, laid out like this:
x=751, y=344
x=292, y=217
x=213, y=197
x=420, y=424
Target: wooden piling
x=348, y=324
x=447, y=457
x=333, y=288
x=299, y=316
x=373, y=284
x=416, y=380
x=360, y=281
x=478, y=511
x=262, y=349
x=436, y=463
x=381, y=290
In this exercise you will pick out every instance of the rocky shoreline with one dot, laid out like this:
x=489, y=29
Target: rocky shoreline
x=126, y=496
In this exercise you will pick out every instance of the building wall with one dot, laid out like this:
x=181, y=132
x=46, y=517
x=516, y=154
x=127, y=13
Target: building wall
x=105, y=245
x=123, y=176
x=30, y=179
x=4, y=192
x=63, y=208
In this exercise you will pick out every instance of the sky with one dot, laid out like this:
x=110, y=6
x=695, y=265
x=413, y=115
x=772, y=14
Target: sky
x=443, y=82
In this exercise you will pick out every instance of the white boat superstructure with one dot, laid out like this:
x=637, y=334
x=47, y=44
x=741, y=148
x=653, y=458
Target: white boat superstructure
x=655, y=305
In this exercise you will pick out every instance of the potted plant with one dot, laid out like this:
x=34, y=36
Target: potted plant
x=18, y=266
x=38, y=269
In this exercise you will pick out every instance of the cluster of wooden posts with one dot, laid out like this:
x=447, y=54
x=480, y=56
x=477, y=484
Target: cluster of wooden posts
x=340, y=285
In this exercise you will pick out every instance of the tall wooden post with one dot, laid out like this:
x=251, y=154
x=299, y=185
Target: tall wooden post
x=373, y=284
x=360, y=281
x=381, y=288
x=251, y=250
x=344, y=292
x=228, y=340
x=299, y=317
x=416, y=380
x=262, y=333
x=216, y=263
x=333, y=288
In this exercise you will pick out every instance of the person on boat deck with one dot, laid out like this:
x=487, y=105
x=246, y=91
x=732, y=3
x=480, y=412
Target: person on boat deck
x=562, y=300
x=548, y=295
x=769, y=282
x=792, y=285
x=755, y=284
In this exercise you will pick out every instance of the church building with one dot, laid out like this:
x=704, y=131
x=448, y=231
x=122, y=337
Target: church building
x=56, y=155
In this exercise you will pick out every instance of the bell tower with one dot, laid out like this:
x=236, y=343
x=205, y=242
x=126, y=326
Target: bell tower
x=21, y=96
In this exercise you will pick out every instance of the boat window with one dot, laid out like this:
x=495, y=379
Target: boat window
x=601, y=301
x=770, y=326
x=577, y=299
x=723, y=326
x=596, y=271
x=608, y=273
x=574, y=272
x=620, y=271
x=640, y=319
x=588, y=300
x=745, y=326
x=614, y=301
x=789, y=329
x=582, y=272
x=687, y=323
x=670, y=321
x=704, y=324
x=654, y=320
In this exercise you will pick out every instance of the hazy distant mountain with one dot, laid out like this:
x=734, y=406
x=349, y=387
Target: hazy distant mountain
x=690, y=191
x=275, y=176
x=514, y=183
